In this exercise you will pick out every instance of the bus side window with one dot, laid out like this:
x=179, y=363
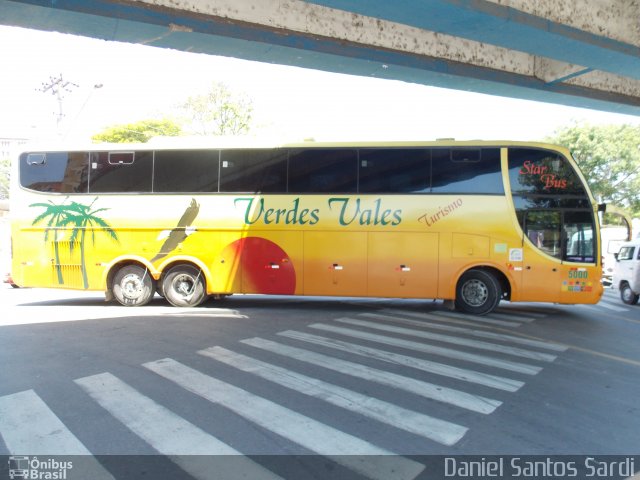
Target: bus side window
x=185, y=171
x=253, y=170
x=58, y=172
x=397, y=170
x=466, y=171
x=121, y=172
x=323, y=171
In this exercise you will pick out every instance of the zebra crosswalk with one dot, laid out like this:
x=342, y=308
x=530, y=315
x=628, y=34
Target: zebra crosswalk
x=425, y=376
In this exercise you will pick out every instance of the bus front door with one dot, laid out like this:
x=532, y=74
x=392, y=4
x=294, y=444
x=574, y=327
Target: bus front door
x=542, y=251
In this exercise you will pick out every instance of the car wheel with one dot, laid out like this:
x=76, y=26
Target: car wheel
x=627, y=295
x=184, y=286
x=478, y=292
x=133, y=286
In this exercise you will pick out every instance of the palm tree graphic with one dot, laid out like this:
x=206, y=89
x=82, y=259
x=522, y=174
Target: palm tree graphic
x=83, y=219
x=56, y=215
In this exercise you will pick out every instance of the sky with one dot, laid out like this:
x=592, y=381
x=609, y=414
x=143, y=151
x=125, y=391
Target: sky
x=290, y=104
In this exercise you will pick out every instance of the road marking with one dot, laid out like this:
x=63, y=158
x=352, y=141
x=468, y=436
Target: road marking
x=609, y=305
x=510, y=317
x=426, y=348
x=441, y=431
x=479, y=319
x=29, y=427
x=477, y=344
x=469, y=331
x=431, y=317
x=352, y=452
x=450, y=371
x=475, y=403
x=527, y=312
x=186, y=445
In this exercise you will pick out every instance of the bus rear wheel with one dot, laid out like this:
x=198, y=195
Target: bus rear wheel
x=184, y=286
x=478, y=292
x=133, y=286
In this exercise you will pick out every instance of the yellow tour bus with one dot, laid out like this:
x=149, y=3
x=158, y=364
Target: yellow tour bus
x=470, y=222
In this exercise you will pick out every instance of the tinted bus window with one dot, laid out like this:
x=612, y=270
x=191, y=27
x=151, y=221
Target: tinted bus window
x=394, y=170
x=255, y=171
x=185, y=171
x=535, y=171
x=543, y=229
x=121, y=173
x=60, y=172
x=579, y=235
x=323, y=171
x=466, y=170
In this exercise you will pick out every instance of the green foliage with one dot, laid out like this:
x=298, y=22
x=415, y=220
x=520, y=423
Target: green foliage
x=218, y=112
x=5, y=176
x=139, y=132
x=609, y=157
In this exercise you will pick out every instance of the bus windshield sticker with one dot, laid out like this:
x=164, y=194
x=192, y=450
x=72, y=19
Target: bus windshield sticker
x=515, y=255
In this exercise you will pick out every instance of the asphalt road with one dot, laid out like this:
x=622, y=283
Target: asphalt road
x=269, y=381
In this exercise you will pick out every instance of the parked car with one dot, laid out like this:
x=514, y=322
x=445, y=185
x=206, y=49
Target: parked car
x=626, y=273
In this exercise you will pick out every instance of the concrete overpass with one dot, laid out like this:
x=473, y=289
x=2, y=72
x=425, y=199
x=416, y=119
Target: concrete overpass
x=576, y=52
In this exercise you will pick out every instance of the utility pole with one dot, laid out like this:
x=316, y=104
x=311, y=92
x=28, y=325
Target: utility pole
x=58, y=87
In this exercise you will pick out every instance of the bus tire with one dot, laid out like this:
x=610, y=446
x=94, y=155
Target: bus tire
x=133, y=286
x=184, y=286
x=627, y=295
x=478, y=292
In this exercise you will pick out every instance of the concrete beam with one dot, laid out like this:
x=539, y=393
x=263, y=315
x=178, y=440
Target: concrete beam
x=599, y=34
x=305, y=34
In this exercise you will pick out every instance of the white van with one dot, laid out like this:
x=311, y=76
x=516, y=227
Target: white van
x=626, y=273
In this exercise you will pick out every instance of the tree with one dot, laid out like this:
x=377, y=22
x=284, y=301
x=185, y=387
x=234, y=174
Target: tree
x=139, y=132
x=609, y=157
x=218, y=112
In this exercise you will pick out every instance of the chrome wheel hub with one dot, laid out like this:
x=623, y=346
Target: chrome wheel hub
x=475, y=293
x=132, y=286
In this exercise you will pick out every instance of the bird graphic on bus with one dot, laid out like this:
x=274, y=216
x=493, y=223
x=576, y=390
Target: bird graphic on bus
x=175, y=236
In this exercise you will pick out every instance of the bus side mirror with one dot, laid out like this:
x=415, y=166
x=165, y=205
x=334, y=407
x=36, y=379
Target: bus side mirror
x=616, y=257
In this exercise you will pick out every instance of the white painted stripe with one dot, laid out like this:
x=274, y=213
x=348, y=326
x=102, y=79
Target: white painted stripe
x=475, y=403
x=29, y=427
x=511, y=309
x=468, y=331
x=466, y=342
x=511, y=318
x=463, y=374
x=611, y=306
x=354, y=453
x=480, y=319
x=441, y=431
x=169, y=433
x=426, y=348
x=433, y=316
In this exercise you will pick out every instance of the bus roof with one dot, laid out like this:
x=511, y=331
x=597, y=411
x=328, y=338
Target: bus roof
x=188, y=143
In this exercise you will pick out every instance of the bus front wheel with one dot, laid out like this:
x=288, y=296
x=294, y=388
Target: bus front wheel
x=133, y=286
x=478, y=292
x=184, y=286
